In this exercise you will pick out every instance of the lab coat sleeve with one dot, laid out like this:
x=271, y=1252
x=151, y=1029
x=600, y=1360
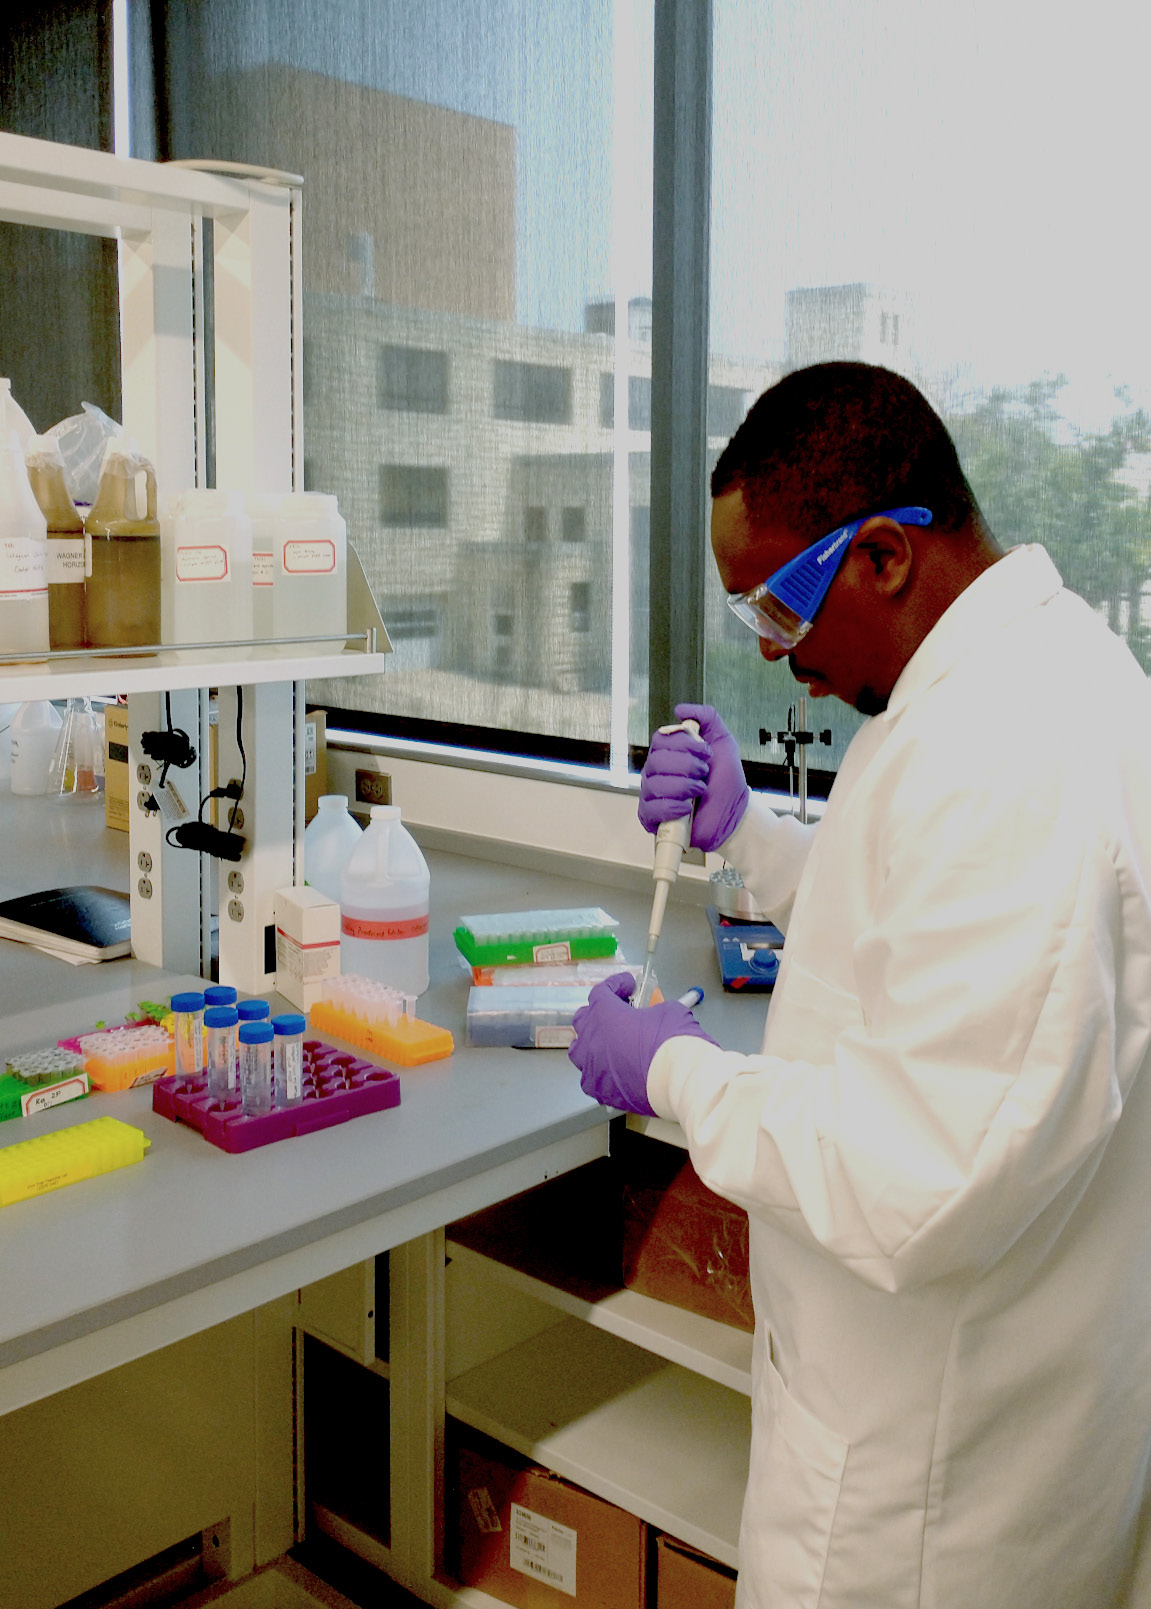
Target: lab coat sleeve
x=983, y=1070
x=769, y=852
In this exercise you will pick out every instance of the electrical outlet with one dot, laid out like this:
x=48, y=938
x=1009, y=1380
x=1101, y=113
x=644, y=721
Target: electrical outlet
x=373, y=788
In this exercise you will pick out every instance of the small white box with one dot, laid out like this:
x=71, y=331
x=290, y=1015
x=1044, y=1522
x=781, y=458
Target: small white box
x=307, y=944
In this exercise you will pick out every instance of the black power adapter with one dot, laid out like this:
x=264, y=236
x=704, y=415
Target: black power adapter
x=207, y=840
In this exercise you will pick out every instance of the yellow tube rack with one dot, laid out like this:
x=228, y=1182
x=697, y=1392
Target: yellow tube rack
x=33, y=1167
x=409, y=1042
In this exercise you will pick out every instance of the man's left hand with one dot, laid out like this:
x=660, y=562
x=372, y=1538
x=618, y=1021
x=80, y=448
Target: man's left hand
x=615, y=1043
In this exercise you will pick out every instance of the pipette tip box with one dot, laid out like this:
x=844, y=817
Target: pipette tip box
x=124, y=1057
x=543, y=937
x=35, y=1080
x=525, y=1018
x=337, y=1086
x=50, y=1161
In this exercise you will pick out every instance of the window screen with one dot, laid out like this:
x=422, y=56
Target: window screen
x=997, y=260
x=476, y=203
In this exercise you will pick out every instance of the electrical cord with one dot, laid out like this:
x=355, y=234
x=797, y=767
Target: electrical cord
x=200, y=835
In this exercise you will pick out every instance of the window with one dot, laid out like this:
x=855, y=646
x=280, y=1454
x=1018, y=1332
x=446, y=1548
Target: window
x=579, y=606
x=465, y=169
x=574, y=524
x=413, y=380
x=1035, y=352
x=412, y=497
x=638, y=401
x=532, y=393
x=479, y=195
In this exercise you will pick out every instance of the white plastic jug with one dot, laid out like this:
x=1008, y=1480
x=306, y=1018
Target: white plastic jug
x=23, y=549
x=206, y=568
x=329, y=840
x=35, y=728
x=310, y=596
x=384, y=905
x=263, y=508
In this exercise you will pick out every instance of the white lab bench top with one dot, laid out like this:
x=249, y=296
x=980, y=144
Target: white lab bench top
x=106, y=1270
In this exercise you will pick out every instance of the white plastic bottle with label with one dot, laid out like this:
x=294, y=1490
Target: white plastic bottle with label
x=263, y=509
x=34, y=731
x=310, y=596
x=206, y=568
x=329, y=839
x=384, y=905
x=23, y=549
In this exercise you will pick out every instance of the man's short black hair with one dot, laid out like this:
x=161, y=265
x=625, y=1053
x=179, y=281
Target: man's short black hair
x=829, y=443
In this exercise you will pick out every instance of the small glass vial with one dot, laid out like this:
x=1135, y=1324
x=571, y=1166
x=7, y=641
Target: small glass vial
x=188, y=1010
x=220, y=1051
x=288, y=1059
x=219, y=994
x=256, y=1068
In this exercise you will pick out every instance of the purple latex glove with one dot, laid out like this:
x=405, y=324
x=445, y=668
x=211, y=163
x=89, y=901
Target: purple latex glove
x=615, y=1043
x=681, y=768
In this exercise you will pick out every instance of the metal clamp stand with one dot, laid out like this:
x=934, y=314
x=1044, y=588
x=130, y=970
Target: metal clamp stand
x=795, y=740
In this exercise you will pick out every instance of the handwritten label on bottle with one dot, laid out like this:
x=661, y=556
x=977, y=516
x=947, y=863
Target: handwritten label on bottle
x=23, y=566
x=207, y=563
x=355, y=927
x=316, y=557
x=263, y=569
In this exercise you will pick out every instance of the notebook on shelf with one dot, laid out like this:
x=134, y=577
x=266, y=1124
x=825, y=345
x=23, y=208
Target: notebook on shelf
x=81, y=922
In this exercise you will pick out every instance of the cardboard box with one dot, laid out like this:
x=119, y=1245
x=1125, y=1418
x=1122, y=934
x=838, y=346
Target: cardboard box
x=116, y=766
x=535, y=1541
x=315, y=760
x=307, y=944
x=686, y=1579
x=682, y=1243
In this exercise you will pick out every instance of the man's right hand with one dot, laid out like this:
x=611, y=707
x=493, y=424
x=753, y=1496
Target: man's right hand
x=682, y=769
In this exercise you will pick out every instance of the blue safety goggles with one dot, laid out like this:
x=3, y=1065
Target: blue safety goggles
x=783, y=607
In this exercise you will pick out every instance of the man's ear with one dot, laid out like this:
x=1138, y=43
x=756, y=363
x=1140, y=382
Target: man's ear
x=885, y=544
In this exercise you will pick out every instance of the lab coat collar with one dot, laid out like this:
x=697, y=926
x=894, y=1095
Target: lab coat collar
x=1022, y=580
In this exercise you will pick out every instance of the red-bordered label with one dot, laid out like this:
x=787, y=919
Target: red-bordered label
x=353, y=927
x=208, y=562
x=316, y=556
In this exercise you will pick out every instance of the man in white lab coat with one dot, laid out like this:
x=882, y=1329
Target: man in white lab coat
x=945, y=1145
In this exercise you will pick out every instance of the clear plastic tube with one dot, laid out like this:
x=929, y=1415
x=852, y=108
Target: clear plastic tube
x=188, y=1033
x=256, y=1068
x=288, y=1059
x=220, y=1052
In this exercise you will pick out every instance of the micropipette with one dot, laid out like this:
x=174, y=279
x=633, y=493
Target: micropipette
x=672, y=838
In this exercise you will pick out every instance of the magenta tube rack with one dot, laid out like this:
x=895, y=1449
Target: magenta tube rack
x=337, y=1086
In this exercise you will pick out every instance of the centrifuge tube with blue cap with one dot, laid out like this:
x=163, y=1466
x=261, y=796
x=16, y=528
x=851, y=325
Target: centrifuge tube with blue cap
x=220, y=1051
x=188, y=1033
x=288, y=1059
x=256, y=1067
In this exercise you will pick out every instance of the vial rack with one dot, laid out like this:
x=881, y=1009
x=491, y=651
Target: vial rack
x=337, y=1087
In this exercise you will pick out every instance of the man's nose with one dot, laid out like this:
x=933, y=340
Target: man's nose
x=771, y=651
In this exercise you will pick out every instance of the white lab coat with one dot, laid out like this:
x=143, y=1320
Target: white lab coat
x=945, y=1144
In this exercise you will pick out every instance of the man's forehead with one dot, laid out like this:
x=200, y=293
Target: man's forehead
x=737, y=541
